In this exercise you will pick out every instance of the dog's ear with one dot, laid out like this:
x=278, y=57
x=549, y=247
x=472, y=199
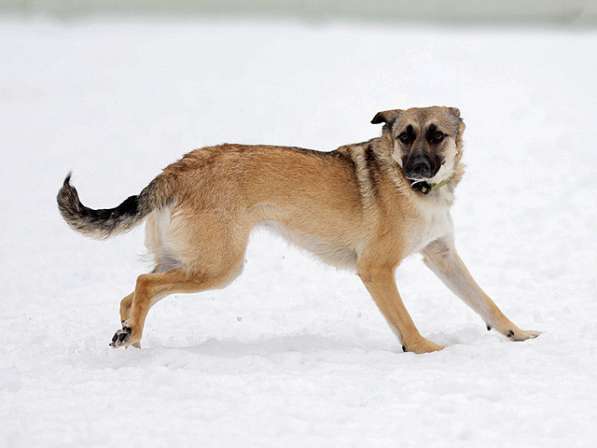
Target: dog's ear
x=455, y=111
x=456, y=114
x=386, y=116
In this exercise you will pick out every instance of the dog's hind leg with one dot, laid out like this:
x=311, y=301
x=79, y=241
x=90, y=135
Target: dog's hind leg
x=442, y=258
x=218, y=260
x=208, y=254
x=125, y=306
x=127, y=301
x=150, y=288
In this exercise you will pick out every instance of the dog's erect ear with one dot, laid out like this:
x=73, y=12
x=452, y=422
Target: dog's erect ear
x=386, y=116
x=454, y=111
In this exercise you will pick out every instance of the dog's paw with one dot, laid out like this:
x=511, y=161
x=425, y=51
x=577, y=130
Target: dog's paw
x=422, y=346
x=517, y=334
x=122, y=337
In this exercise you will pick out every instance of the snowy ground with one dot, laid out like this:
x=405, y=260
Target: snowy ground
x=294, y=353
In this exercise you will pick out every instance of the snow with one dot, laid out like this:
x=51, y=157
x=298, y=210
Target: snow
x=294, y=353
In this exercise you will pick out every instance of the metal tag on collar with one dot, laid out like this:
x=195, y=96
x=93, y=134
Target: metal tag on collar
x=422, y=187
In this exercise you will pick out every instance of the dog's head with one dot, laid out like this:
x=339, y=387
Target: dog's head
x=426, y=141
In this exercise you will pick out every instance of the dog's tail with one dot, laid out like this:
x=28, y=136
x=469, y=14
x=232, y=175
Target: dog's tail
x=103, y=223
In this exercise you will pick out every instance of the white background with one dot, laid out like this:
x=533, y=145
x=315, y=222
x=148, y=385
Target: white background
x=294, y=353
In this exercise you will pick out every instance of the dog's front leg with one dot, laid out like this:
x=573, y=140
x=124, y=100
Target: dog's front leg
x=381, y=284
x=441, y=257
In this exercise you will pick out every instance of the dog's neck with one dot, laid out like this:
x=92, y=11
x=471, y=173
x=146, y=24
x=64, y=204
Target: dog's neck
x=442, y=193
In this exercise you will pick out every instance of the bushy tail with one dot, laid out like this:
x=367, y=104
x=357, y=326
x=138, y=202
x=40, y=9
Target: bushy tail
x=103, y=223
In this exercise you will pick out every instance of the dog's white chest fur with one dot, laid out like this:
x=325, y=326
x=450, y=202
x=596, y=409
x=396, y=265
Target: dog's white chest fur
x=434, y=221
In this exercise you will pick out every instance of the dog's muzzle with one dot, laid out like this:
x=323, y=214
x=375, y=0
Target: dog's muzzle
x=419, y=167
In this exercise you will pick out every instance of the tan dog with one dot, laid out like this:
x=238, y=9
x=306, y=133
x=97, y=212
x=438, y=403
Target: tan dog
x=366, y=206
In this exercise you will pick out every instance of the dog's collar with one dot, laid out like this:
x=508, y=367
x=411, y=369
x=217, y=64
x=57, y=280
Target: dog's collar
x=426, y=187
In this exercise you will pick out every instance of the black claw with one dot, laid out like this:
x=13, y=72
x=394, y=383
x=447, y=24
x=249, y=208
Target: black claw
x=488, y=327
x=404, y=348
x=510, y=334
x=120, y=336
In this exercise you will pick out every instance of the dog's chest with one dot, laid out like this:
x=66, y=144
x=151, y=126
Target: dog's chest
x=432, y=221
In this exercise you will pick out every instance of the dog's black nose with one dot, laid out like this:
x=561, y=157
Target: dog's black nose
x=419, y=167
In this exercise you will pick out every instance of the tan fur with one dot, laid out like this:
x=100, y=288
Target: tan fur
x=351, y=207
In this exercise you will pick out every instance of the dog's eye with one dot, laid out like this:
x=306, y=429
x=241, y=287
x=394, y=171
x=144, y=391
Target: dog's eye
x=404, y=137
x=437, y=137
x=407, y=136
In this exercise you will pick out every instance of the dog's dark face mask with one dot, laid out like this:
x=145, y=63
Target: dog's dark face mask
x=426, y=143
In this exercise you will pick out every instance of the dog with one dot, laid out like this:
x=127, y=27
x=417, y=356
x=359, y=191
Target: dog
x=364, y=206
